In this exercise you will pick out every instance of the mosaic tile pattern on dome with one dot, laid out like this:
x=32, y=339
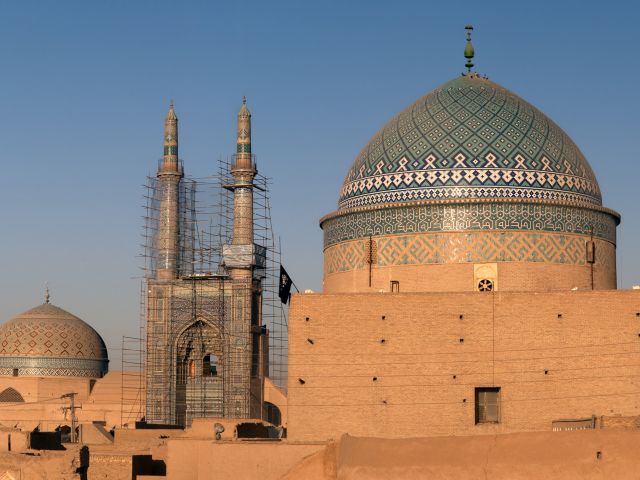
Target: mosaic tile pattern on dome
x=470, y=216
x=49, y=331
x=454, y=247
x=469, y=138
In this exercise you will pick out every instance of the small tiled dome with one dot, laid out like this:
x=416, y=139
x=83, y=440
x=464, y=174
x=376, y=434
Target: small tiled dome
x=49, y=341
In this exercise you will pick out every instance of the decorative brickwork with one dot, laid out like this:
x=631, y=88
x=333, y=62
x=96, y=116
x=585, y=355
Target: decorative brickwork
x=467, y=247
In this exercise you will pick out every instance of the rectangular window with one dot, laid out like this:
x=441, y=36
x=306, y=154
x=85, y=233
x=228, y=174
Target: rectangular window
x=487, y=405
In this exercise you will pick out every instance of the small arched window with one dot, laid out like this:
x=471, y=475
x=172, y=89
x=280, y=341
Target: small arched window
x=210, y=365
x=192, y=369
x=10, y=395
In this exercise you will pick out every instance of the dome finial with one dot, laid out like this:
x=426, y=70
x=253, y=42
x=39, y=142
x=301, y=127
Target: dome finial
x=468, y=49
x=46, y=292
x=171, y=113
x=244, y=111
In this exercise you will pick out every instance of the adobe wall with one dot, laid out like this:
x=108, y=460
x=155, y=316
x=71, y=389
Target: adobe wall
x=191, y=459
x=586, y=454
x=35, y=389
x=439, y=346
x=51, y=465
x=44, y=407
x=274, y=394
x=13, y=440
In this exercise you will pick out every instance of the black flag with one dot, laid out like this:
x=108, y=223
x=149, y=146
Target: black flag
x=284, y=290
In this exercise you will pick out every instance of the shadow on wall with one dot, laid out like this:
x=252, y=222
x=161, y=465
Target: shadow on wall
x=45, y=440
x=84, y=463
x=258, y=430
x=158, y=467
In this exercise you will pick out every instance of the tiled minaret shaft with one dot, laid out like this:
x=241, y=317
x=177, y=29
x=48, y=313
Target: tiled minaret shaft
x=238, y=393
x=169, y=175
x=243, y=171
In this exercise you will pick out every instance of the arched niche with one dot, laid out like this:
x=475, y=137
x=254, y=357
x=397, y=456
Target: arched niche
x=10, y=395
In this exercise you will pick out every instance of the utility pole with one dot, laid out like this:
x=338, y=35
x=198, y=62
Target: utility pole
x=72, y=409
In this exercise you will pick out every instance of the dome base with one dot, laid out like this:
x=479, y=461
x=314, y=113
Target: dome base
x=459, y=261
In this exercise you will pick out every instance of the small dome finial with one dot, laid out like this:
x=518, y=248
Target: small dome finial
x=244, y=110
x=468, y=49
x=46, y=293
x=171, y=113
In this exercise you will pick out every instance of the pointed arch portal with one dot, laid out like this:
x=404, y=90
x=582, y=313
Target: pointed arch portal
x=199, y=372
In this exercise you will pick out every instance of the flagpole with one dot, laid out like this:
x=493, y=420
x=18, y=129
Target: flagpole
x=280, y=249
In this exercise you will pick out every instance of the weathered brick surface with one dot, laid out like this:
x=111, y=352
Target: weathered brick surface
x=620, y=423
x=588, y=342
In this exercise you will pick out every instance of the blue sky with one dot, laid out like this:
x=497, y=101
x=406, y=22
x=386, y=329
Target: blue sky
x=85, y=85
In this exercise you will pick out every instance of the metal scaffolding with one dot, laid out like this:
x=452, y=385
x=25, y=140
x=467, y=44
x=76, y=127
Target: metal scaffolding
x=131, y=381
x=199, y=362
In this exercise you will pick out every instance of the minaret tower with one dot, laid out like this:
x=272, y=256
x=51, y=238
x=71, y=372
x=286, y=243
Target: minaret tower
x=169, y=175
x=243, y=171
x=243, y=397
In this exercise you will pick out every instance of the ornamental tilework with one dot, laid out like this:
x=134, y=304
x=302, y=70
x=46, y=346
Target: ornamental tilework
x=454, y=247
x=469, y=216
x=52, y=372
x=469, y=138
x=50, y=362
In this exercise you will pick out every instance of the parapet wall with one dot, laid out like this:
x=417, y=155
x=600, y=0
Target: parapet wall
x=545, y=455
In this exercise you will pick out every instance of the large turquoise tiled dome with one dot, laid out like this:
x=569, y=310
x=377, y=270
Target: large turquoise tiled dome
x=469, y=139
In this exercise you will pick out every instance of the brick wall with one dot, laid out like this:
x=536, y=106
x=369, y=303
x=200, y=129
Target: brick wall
x=420, y=380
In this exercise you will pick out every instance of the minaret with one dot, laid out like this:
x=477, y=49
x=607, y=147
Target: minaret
x=243, y=393
x=169, y=175
x=243, y=171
